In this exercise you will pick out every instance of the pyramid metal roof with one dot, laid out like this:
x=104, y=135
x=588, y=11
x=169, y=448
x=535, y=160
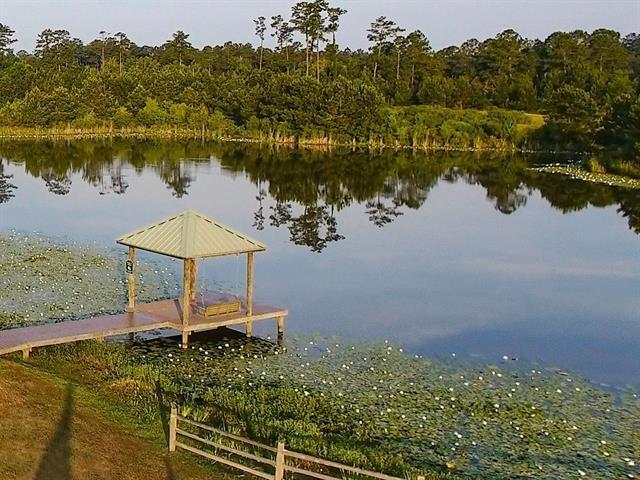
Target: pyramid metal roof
x=190, y=234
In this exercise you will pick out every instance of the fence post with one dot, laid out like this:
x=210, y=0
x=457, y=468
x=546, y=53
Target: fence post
x=173, y=424
x=280, y=462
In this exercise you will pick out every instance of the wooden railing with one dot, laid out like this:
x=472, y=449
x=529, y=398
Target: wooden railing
x=273, y=458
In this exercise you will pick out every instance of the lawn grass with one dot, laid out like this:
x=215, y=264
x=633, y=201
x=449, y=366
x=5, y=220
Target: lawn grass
x=55, y=429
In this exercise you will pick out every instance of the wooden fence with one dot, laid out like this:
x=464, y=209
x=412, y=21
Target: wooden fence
x=274, y=458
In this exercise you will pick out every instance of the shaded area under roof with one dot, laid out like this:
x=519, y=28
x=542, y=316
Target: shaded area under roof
x=190, y=234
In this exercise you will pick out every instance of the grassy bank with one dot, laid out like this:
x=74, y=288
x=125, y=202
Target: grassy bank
x=55, y=429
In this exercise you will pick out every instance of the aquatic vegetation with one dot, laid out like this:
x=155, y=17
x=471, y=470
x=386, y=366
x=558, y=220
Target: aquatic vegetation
x=593, y=176
x=46, y=281
x=372, y=405
x=376, y=406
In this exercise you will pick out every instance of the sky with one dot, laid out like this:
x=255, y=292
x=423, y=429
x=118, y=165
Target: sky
x=210, y=22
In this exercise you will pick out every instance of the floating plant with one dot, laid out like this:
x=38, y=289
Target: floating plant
x=595, y=177
x=46, y=281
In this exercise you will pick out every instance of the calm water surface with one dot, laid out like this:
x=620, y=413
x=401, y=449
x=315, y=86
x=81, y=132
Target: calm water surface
x=473, y=255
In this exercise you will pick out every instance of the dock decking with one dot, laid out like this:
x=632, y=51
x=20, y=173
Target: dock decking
x=164, y=314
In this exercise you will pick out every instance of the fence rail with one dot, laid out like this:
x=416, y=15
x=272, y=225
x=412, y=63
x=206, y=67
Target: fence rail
x=278, y=464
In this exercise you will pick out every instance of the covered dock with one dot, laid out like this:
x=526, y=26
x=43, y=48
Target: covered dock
x=186, y=236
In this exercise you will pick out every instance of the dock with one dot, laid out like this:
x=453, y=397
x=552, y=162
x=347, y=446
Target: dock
x=160, y=315
x=188, y=236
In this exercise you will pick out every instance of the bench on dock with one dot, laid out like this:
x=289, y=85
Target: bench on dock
x=211, y=306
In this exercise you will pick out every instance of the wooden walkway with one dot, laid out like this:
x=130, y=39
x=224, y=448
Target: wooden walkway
x=164, y=314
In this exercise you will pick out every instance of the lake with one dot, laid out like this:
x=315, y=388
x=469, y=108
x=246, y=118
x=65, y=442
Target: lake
x=445, y=253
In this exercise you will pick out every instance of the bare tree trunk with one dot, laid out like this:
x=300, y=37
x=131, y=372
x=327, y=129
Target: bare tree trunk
x=375, y=66
x=260, y=64
x=334, y=61
x=280, y=49
x=307, y=52
x=318, y=60
x=286, y=50
x=120, y=61
x=398, y=67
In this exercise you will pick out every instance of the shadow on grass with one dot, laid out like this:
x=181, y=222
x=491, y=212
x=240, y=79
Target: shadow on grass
x=164, y=411
x=56, y=461
x=171, y=474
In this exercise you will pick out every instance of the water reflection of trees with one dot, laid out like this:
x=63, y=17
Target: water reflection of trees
x=303, y=190
x=315, y=227
x=6, y=187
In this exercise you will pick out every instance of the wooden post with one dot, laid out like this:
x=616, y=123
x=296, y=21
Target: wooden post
x=132, y=280
x=173, y=425
x=26, y=353
x=280, y=461
x=186, y=301
x=280, y=326
x=249, y=296
x=194, y=272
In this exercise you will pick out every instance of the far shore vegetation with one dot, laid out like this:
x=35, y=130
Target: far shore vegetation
x=573, y=91
x=420, y=127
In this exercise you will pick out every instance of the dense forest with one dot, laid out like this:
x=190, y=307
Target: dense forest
x=573, y=90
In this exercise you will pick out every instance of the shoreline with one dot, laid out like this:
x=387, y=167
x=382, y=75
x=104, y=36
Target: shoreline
x=327, y=143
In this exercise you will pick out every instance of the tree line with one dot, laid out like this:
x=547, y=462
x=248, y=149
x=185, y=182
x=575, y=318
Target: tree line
x=298, y=83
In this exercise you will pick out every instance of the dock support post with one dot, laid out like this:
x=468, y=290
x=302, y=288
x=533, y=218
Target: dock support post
x=249, y=295
x=173, y=425
x=131, y=278
x=186, y=301
x=26, y=353
x=192, y=279
x=280, y=326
